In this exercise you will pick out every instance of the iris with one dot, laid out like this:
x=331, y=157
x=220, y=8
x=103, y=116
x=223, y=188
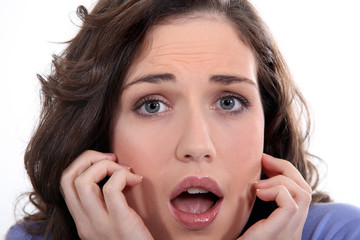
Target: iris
x=152, y=106
x=227, y=103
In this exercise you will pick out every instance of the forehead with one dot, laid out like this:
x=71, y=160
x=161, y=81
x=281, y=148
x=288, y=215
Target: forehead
x=203, y=39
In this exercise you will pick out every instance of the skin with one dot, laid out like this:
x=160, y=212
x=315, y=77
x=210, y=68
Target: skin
x=191, y=134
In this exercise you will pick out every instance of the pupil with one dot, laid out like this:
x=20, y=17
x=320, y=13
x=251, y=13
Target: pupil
x=152, y=107
x=227, y=103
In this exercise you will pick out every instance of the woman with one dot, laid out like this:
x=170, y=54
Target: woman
x=171, y=120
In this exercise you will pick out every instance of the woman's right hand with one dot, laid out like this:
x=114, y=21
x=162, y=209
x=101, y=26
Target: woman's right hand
x=101, y=213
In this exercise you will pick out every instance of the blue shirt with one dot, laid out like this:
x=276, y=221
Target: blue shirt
x=325, y=221
x=332, y=221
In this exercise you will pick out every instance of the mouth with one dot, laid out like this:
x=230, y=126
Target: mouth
x=196, y=202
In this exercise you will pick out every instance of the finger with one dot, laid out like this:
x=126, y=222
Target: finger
x=279, y=194
x=67, y=188
x=301, y=196
x=275, y=224
x=73, y=203
x=84, y=161
x=89, y=192
x=114, y=198
x=287, y=215
x=275, y=166
x=79, y=165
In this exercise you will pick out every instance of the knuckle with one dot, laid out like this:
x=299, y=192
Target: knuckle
x=282, y=188
x=282, y=180
x=120, y=173
x=288, y=164
x=88, y=152
x=103, y=163
x=309, y=189
x=65, y=176
x=111, y=185
x=292, y=208
x=306, y=197
x=79, y=182
x=65, y=180
x=108, y=188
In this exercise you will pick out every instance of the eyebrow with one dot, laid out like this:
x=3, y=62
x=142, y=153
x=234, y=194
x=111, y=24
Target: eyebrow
x=229, y=79
x=221, y=79
x=153, y=78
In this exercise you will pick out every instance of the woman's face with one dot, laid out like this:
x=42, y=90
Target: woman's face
x=190, y=121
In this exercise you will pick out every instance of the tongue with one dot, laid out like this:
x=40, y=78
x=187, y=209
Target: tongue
x=193, y=203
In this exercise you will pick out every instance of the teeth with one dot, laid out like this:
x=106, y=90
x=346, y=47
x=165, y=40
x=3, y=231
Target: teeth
x=196, y=190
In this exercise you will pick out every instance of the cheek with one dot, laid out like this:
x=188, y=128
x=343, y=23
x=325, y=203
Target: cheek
x=239, y=151
x=147, y=150
x=242, y=150
x=245, y=164
x=135, y=147
x=241, y=145
x=139, y=148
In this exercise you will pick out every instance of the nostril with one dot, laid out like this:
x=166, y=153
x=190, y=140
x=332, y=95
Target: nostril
x=190, y=156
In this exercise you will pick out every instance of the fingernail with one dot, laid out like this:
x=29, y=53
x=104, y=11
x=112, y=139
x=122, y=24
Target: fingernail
x=133, y=172
x=141, y=177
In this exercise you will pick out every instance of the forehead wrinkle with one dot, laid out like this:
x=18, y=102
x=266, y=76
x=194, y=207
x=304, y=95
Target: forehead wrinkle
x=194, y=50
x=187, y=45
x=190, y=53
x=165, y=53
x=183, y=57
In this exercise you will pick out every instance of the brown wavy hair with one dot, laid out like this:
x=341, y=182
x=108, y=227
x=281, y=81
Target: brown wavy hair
x=81, y=93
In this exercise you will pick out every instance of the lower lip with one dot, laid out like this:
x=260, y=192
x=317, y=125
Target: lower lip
x=196, y=221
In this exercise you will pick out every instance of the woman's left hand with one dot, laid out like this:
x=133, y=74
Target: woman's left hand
x=290, y=191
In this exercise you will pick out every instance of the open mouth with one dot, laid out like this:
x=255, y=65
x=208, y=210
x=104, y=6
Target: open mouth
x=195, y=202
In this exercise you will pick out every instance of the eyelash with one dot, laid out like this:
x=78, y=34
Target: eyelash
x=140, y=103
x=243, y=101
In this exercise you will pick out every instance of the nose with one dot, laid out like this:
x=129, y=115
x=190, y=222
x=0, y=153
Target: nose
x=195, y=143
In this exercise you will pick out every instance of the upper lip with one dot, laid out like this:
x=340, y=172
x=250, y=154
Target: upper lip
x=206, y=183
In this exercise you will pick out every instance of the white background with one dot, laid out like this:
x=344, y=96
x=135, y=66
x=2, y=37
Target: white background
x=319, y=39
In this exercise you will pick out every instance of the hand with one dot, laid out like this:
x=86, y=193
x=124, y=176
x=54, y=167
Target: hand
x=292, y=194
x=101, y=213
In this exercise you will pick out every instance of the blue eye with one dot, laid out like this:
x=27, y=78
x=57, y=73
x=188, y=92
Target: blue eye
x=148, y=107
x=152, y=106
x=232, y=104
x=227, y=103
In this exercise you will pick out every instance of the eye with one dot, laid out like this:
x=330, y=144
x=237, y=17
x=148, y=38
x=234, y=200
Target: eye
x=151, y=106
x=232, y=103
